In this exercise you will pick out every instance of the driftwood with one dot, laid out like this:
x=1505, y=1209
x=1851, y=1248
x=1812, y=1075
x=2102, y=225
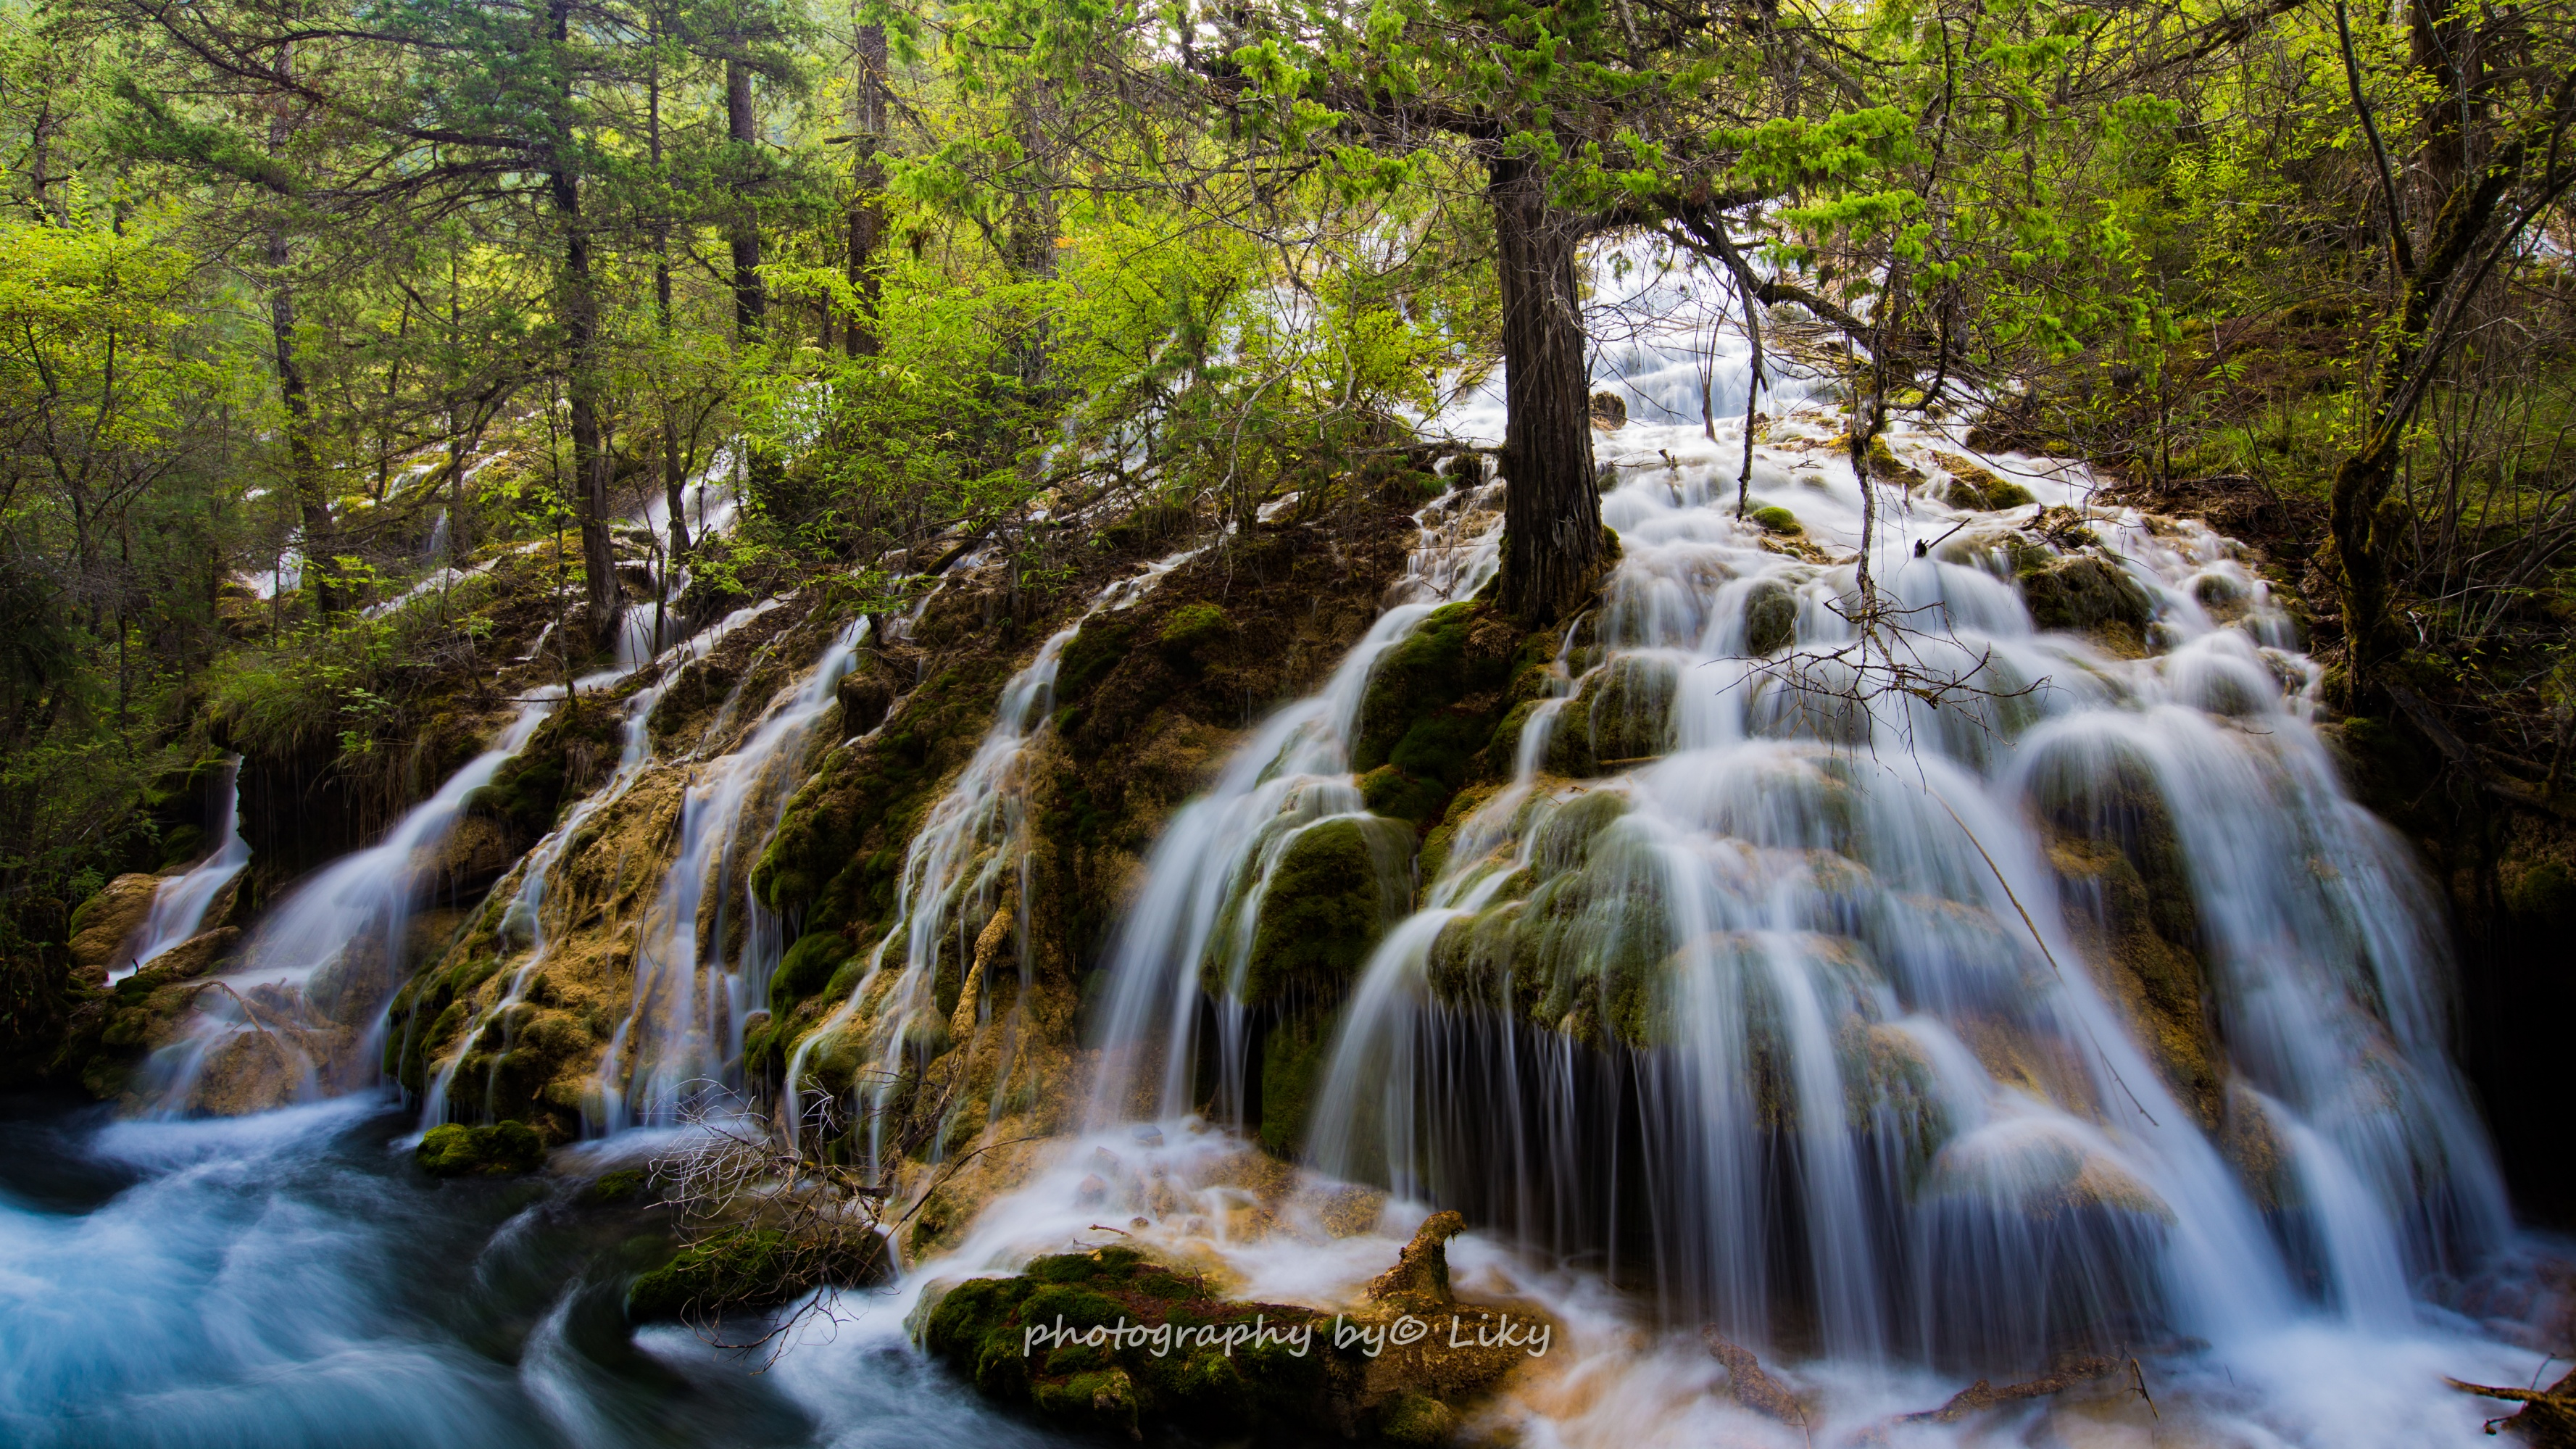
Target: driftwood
x=1982, y=1395
x=2547, y=1417
x=1751, y=1384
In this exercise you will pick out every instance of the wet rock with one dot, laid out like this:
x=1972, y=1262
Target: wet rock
x=2087, y=594
x=747, y=1269
x=1215, y=1366
x=1622, y=717
x=1419, y=1281
x=107, y=921
x=456, y=1150
x=1327, y=902
x=1609, y=411
x=864, y=695
x=1770, y=618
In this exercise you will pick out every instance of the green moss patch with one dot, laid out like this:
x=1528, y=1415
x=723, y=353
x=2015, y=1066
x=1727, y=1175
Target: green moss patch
x=456, y=1150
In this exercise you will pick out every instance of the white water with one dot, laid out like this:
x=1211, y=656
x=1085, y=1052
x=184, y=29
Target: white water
x=322, y=962
x=684, y=1023
x=179, y=905
x=1292, y=774
x=969, y=858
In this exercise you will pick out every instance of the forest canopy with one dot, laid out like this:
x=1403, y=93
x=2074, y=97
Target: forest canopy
x=309, y=306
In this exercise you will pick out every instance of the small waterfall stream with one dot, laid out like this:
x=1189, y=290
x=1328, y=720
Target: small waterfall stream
x=310, y=988
x=685, y=1022
x=179, y=906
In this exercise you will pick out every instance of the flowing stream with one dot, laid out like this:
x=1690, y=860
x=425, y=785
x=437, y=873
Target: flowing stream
x=179, y=906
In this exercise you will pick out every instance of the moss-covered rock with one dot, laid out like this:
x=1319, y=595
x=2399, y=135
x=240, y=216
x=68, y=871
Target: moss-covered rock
x=105, y=922
x=1192, y=628
x=748, y=1269
x=1770, y=617
x=1622, y=716
x=456, y=1150
x=1111, y=1340
x=1973, y=487
x=2086, y=594
x=1322, y=910
x=1775, y=519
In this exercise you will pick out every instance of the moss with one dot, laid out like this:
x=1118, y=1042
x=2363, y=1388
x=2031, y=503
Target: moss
x=2083, y=594
x=1416, y=1419
x=1775, y=519
x=1090, y=655
x=1770, y=618
x=1980, y=488
x=613, y=1189
x=1191, y=629
x=746, y=1269
x=1324, y=909
x=456, y=1150
x=1622, y=715
x=808, y=966
x=1293, y=1057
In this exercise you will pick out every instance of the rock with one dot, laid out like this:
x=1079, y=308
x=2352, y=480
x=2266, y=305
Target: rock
x=1978, y=488
x=2087, y=594
x=198, y=954
x=1609, y=411
x=749, y=1269
x=1775, y=519
x=1327, y=902
x=1770, y=618
x=1192, y=628
x=1419, y=1281
x=456, y=1150
x=107, y=921
x=1622, y=717
x=864, y=696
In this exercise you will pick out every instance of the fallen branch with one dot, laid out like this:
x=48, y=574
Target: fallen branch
x=2547, y=1418
x=1752, y=1385
x=1981, y=1395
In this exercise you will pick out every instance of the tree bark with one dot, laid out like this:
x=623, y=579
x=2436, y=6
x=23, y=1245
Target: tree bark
x=867, y=181
x=750, y=302
x=1553, y=549
x=581, y=328
x=303, y=461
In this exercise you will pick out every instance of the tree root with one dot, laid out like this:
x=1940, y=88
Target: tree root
x=1982, y=1395
x=1750, y=1384
x=2547, y=1418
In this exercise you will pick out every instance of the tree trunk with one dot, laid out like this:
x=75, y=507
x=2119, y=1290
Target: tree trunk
x=867, y=180
x=674, y=505
x=1553, y=548
x=303, y=463
x=581, y=326
x=750, y=303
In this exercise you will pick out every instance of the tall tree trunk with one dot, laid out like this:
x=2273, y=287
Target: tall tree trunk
x=674, y=503
x=311, y=487
x=867, y=181
x=580, y=305
x=749, y=302
x=2366, y=524
x=1553, y=549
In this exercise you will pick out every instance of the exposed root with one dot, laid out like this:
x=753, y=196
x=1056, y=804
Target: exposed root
x=1752, y=1385
x=1981, y=1395
x=2547, y=1417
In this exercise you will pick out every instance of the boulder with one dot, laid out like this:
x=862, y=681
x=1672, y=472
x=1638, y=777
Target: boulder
x=107, y=921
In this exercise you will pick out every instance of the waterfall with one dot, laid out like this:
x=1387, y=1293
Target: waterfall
x=308, y=995
x=968, y=860
x=1291, y=775
x=524, y=920
x=179, y=906
x=1963, y=992
x=684, y=1022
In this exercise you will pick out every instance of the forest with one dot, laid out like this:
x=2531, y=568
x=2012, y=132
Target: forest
x=371, y=369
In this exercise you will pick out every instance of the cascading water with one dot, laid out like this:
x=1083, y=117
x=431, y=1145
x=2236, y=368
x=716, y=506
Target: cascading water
x=179, y=905
x=965, y=870
x=684, y=1023
x=307, y=998
x=1290, y=777
x=524, y=923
